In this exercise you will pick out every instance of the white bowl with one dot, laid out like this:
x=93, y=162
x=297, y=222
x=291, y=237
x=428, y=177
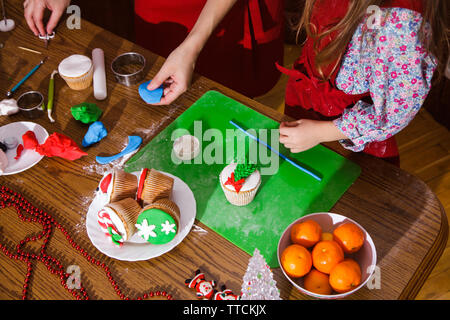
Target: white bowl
x=366, y=256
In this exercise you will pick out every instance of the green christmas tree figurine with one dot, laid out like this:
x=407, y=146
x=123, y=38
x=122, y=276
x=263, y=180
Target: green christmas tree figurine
x=243, y=171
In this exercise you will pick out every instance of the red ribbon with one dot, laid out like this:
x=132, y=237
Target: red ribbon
x=236, y=184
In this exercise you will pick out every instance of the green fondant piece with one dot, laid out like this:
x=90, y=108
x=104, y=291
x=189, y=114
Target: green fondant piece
x=243, y=171
x=165, y=227
x=86, y=112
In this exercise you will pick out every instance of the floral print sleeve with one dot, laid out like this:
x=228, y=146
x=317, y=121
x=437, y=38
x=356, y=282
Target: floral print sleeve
x=390, y=62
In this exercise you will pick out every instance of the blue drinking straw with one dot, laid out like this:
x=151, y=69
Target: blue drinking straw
x=277, y=153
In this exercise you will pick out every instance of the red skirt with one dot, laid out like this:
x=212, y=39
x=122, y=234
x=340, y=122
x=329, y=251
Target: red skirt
x=242, y=52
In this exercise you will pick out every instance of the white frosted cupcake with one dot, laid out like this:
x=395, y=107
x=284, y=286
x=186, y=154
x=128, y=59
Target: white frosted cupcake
x=117, y=185
x=242, y=191
x=77, y=71
x=117, y=220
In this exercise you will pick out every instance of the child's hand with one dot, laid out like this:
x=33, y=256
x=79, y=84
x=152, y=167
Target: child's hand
x=302, y=135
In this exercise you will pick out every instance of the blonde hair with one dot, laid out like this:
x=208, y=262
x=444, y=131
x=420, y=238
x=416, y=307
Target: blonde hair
x=436, y=14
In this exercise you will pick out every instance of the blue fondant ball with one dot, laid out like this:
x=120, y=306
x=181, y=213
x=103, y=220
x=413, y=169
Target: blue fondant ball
x=153, y=96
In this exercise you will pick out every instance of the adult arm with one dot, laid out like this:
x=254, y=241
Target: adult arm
x=176, y=73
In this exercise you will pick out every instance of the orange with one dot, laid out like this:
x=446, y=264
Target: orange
x=317, y=282
x=349, y=236
x=296, y=261
x=327, y=236
x=306, y=233
x=326, y=254
x=345, y=276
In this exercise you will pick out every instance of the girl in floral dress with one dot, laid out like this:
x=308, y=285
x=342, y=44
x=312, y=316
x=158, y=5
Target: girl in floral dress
x=365, y=70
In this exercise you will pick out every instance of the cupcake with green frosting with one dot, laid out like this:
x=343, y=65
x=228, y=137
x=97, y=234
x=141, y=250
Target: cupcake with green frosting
x=158, y=222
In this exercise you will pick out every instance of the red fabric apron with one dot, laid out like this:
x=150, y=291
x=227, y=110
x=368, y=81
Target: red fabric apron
x=309, y=97
x=242, y=52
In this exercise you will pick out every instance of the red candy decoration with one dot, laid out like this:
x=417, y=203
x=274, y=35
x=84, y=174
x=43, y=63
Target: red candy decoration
x=104, y=184
x=236, y=184
x=226, y=294
x=141, y=184
x=28, y=213
x=204, y=289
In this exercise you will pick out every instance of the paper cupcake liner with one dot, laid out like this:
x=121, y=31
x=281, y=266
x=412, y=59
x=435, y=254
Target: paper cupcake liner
x=128, y=211
x=241, y=198
x=168, y=206
x=80, y=83
x=124, y=186
x=156, y=186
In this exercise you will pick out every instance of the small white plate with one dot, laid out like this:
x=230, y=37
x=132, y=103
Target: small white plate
x=29, y=158
x=137, y=249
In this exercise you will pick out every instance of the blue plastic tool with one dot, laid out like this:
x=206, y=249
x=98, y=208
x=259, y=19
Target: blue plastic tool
x=134, y=142
x=276, y=152
x=10, y=93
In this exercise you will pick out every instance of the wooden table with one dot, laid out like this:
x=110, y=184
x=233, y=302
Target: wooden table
x=404, y=218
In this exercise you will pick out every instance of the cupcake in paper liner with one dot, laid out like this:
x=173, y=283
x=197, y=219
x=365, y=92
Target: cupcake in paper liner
x=158, y=223
x=117, y=185
x=77, y=70
x=153, y=185
x=240, y=183
x=117, y=220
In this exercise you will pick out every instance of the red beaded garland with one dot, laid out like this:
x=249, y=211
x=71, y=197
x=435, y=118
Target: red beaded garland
x=10, y=198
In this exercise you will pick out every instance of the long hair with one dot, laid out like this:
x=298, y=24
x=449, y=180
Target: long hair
x=435, y=14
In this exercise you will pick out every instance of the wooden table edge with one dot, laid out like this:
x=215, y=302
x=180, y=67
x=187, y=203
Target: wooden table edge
x=430, y=260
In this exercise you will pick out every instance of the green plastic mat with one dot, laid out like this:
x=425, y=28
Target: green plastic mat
x=283, y=196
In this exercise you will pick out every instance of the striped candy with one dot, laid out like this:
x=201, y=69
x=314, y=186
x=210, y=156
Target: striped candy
x=105, y=222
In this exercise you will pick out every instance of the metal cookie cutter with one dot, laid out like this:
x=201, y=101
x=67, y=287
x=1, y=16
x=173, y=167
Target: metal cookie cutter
x=30, y=104
x=47, y=37
x=128, y=68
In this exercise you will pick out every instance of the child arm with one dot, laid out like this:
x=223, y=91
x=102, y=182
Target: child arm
x=391, y=63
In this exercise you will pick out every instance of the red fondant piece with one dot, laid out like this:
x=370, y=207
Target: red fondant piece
x=141, y=184
x=236, y=184
x=104, y=184
x=30, y=141
x=18, y=152
x=58, y=145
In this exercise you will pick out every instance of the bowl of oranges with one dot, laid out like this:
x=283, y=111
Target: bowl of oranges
x=326, y=255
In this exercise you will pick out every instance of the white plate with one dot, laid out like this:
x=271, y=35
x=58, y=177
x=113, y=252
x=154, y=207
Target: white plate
x=137, y=249
x=29, y=157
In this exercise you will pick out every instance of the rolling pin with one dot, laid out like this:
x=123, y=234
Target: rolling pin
x=99, y=80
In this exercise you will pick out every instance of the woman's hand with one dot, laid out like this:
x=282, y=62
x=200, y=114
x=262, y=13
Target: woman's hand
x=34, y=14
x=175, y=74
x=302, y=135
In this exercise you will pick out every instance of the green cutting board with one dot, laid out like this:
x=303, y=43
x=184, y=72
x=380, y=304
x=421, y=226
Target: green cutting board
x=286, y=193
